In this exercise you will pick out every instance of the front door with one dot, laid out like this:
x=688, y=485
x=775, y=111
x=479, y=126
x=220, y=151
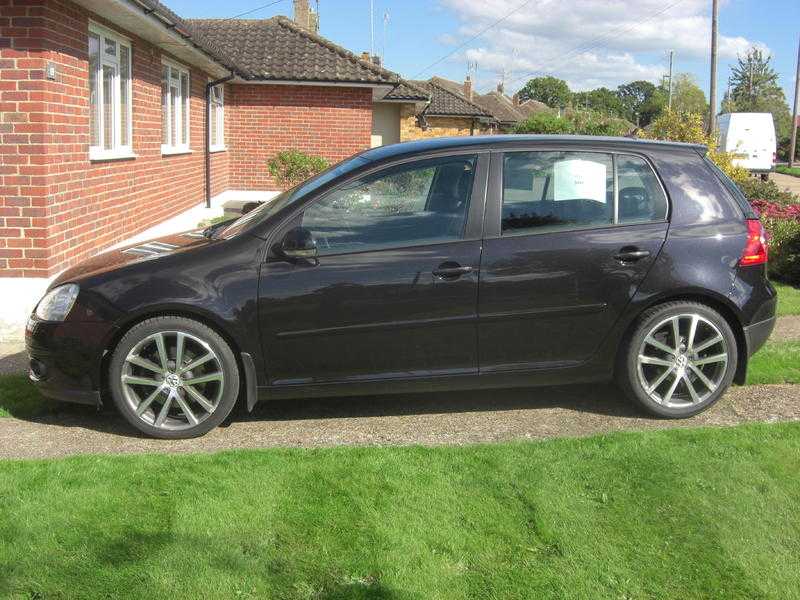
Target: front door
x=393, y=290
x=575, y=235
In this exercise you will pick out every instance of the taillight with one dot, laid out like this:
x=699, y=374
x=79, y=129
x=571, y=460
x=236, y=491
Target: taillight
x=755, y=250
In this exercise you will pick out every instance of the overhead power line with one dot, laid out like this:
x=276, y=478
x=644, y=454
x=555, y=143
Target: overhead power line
x=595, y=42
x=251, y=11
x=474, y=37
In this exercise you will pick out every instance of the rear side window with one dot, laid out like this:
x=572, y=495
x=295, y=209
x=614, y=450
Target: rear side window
x=557, y=191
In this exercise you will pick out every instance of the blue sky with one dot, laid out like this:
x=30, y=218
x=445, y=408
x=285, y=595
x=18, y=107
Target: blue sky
x=587, y=42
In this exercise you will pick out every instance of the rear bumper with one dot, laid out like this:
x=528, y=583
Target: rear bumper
x=757, y=334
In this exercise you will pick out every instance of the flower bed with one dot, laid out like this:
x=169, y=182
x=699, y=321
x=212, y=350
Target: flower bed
x=782, y=222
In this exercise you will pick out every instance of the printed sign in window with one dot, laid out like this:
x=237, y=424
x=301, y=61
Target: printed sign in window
x=579, y=179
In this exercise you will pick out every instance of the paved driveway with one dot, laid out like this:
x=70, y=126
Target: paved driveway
x=786, y=182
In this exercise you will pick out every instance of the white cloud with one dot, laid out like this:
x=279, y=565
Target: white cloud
x=587, y=42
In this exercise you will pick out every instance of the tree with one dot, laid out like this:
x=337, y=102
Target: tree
x=642, y=101
x=601, y=99
x=687, y=96
x=552, y=91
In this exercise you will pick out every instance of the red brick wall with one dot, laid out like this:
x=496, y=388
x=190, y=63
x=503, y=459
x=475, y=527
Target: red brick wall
x=261, y=120
x=57, y=207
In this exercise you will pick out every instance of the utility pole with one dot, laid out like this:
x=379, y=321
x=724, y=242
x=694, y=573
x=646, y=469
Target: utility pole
x=793, y=143
x=712, y=95
x=669, y=101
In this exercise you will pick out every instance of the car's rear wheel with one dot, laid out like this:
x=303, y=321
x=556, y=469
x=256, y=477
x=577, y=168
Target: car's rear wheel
x=173, y=377
x=679, y=360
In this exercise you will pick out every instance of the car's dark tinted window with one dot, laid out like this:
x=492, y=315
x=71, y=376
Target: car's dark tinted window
x=410, y=204
x=551, y=191
x=641, y=197
x=556, y=191
x=733, y=189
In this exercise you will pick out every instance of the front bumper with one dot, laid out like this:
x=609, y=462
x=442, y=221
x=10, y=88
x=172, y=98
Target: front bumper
x=757, y=334
x=65, y=359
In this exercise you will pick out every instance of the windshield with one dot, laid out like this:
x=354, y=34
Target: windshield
x=281, y=201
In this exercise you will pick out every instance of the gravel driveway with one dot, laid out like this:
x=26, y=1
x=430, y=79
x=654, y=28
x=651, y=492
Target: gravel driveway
x=443, y=418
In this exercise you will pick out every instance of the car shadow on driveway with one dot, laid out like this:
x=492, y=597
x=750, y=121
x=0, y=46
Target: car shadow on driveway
x=598, y=400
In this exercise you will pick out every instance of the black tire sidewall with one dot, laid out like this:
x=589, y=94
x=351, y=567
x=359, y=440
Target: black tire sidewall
x=629, y=378
x=153, y=325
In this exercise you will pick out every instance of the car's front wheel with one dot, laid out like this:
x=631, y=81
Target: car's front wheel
x=679, y=360
x=173, y=377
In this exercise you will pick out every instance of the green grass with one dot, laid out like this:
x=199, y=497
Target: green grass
x=711, y=513
x=776, y=362
x=795, y=171
x=18, y=397
x=788, y=299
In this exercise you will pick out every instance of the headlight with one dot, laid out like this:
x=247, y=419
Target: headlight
x=57, y=303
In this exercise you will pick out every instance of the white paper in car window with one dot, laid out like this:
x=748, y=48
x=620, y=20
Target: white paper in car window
x=579, y=179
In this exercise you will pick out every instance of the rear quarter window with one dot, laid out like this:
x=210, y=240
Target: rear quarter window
x=732, y=189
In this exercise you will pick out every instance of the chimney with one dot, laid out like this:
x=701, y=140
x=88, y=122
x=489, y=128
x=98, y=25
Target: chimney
x=500, y=87
x=365, y=56
x=305, y=17
x=515, y=99
x=375, y=60
x=468, y=88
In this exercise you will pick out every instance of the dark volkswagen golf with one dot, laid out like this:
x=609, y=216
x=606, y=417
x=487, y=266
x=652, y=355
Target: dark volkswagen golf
x=481, y=262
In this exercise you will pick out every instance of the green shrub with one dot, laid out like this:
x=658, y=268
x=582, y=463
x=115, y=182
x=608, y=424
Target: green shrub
x=755, y=189
x=784, y=249
x=290, y=167
x=545, y=123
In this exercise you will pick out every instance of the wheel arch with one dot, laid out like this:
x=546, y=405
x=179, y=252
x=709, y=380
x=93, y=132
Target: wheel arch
x=722, y=305
x=186, y=312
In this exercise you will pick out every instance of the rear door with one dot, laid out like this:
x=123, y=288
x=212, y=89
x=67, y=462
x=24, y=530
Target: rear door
x=570, y=235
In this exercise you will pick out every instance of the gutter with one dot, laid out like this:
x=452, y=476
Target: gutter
x=210, y=85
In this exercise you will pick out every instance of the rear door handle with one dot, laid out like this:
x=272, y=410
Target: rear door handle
x=631, y=255
x=448, y=272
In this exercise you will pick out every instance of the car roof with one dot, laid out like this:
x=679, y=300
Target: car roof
x=500, y=141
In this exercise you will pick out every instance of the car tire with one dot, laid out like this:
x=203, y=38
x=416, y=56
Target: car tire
x=173, y=378
x=678, y=373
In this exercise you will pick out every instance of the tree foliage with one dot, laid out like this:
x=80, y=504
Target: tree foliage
x=642, y=101
x=552, y=91
x=687, y=97
x=575, y=122
x=601, y=99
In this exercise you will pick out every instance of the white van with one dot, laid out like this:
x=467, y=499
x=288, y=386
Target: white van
x=750, y=137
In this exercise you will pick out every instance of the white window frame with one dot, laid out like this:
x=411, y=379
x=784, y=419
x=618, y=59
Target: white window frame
x=216, y=112
x=177, y=106
x=118, y=150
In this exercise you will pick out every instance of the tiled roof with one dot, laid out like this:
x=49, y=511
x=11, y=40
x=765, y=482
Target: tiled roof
x=500, y=106
x=278, y=49
x=408, y=91
x=446, y=103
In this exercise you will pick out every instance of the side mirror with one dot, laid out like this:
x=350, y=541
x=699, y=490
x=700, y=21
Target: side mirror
x=298, y=243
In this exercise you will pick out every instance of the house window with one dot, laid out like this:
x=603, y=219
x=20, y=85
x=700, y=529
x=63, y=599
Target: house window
x=174, y=109
x=110, y=91
x=216, y=116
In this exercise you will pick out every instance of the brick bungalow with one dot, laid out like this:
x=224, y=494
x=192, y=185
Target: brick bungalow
x=116, y=115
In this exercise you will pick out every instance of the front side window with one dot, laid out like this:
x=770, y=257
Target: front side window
x=110, y=90
x=557, y=191
x=216, y=115
x=424, y=202
x=175, y=108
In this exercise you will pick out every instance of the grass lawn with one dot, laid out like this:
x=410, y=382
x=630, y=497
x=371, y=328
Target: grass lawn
x=711, y=513
x=788, y=299
x=787, y=171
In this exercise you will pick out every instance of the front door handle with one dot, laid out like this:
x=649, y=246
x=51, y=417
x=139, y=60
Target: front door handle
x=631, y=255
x=451, y=271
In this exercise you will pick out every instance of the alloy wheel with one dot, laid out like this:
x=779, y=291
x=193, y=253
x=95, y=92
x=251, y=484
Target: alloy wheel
x=682, y=360
x=172, y=380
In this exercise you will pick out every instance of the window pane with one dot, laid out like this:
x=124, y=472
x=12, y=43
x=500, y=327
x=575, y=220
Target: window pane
x=108, y=107
x=94, y=115
x=176, y=114
x=165, y=105
x=111, y=47
x=553, y=191
x=212, y=123
x=641, y=197
x=185, y=108
x=124, y=82
x=425, y=202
